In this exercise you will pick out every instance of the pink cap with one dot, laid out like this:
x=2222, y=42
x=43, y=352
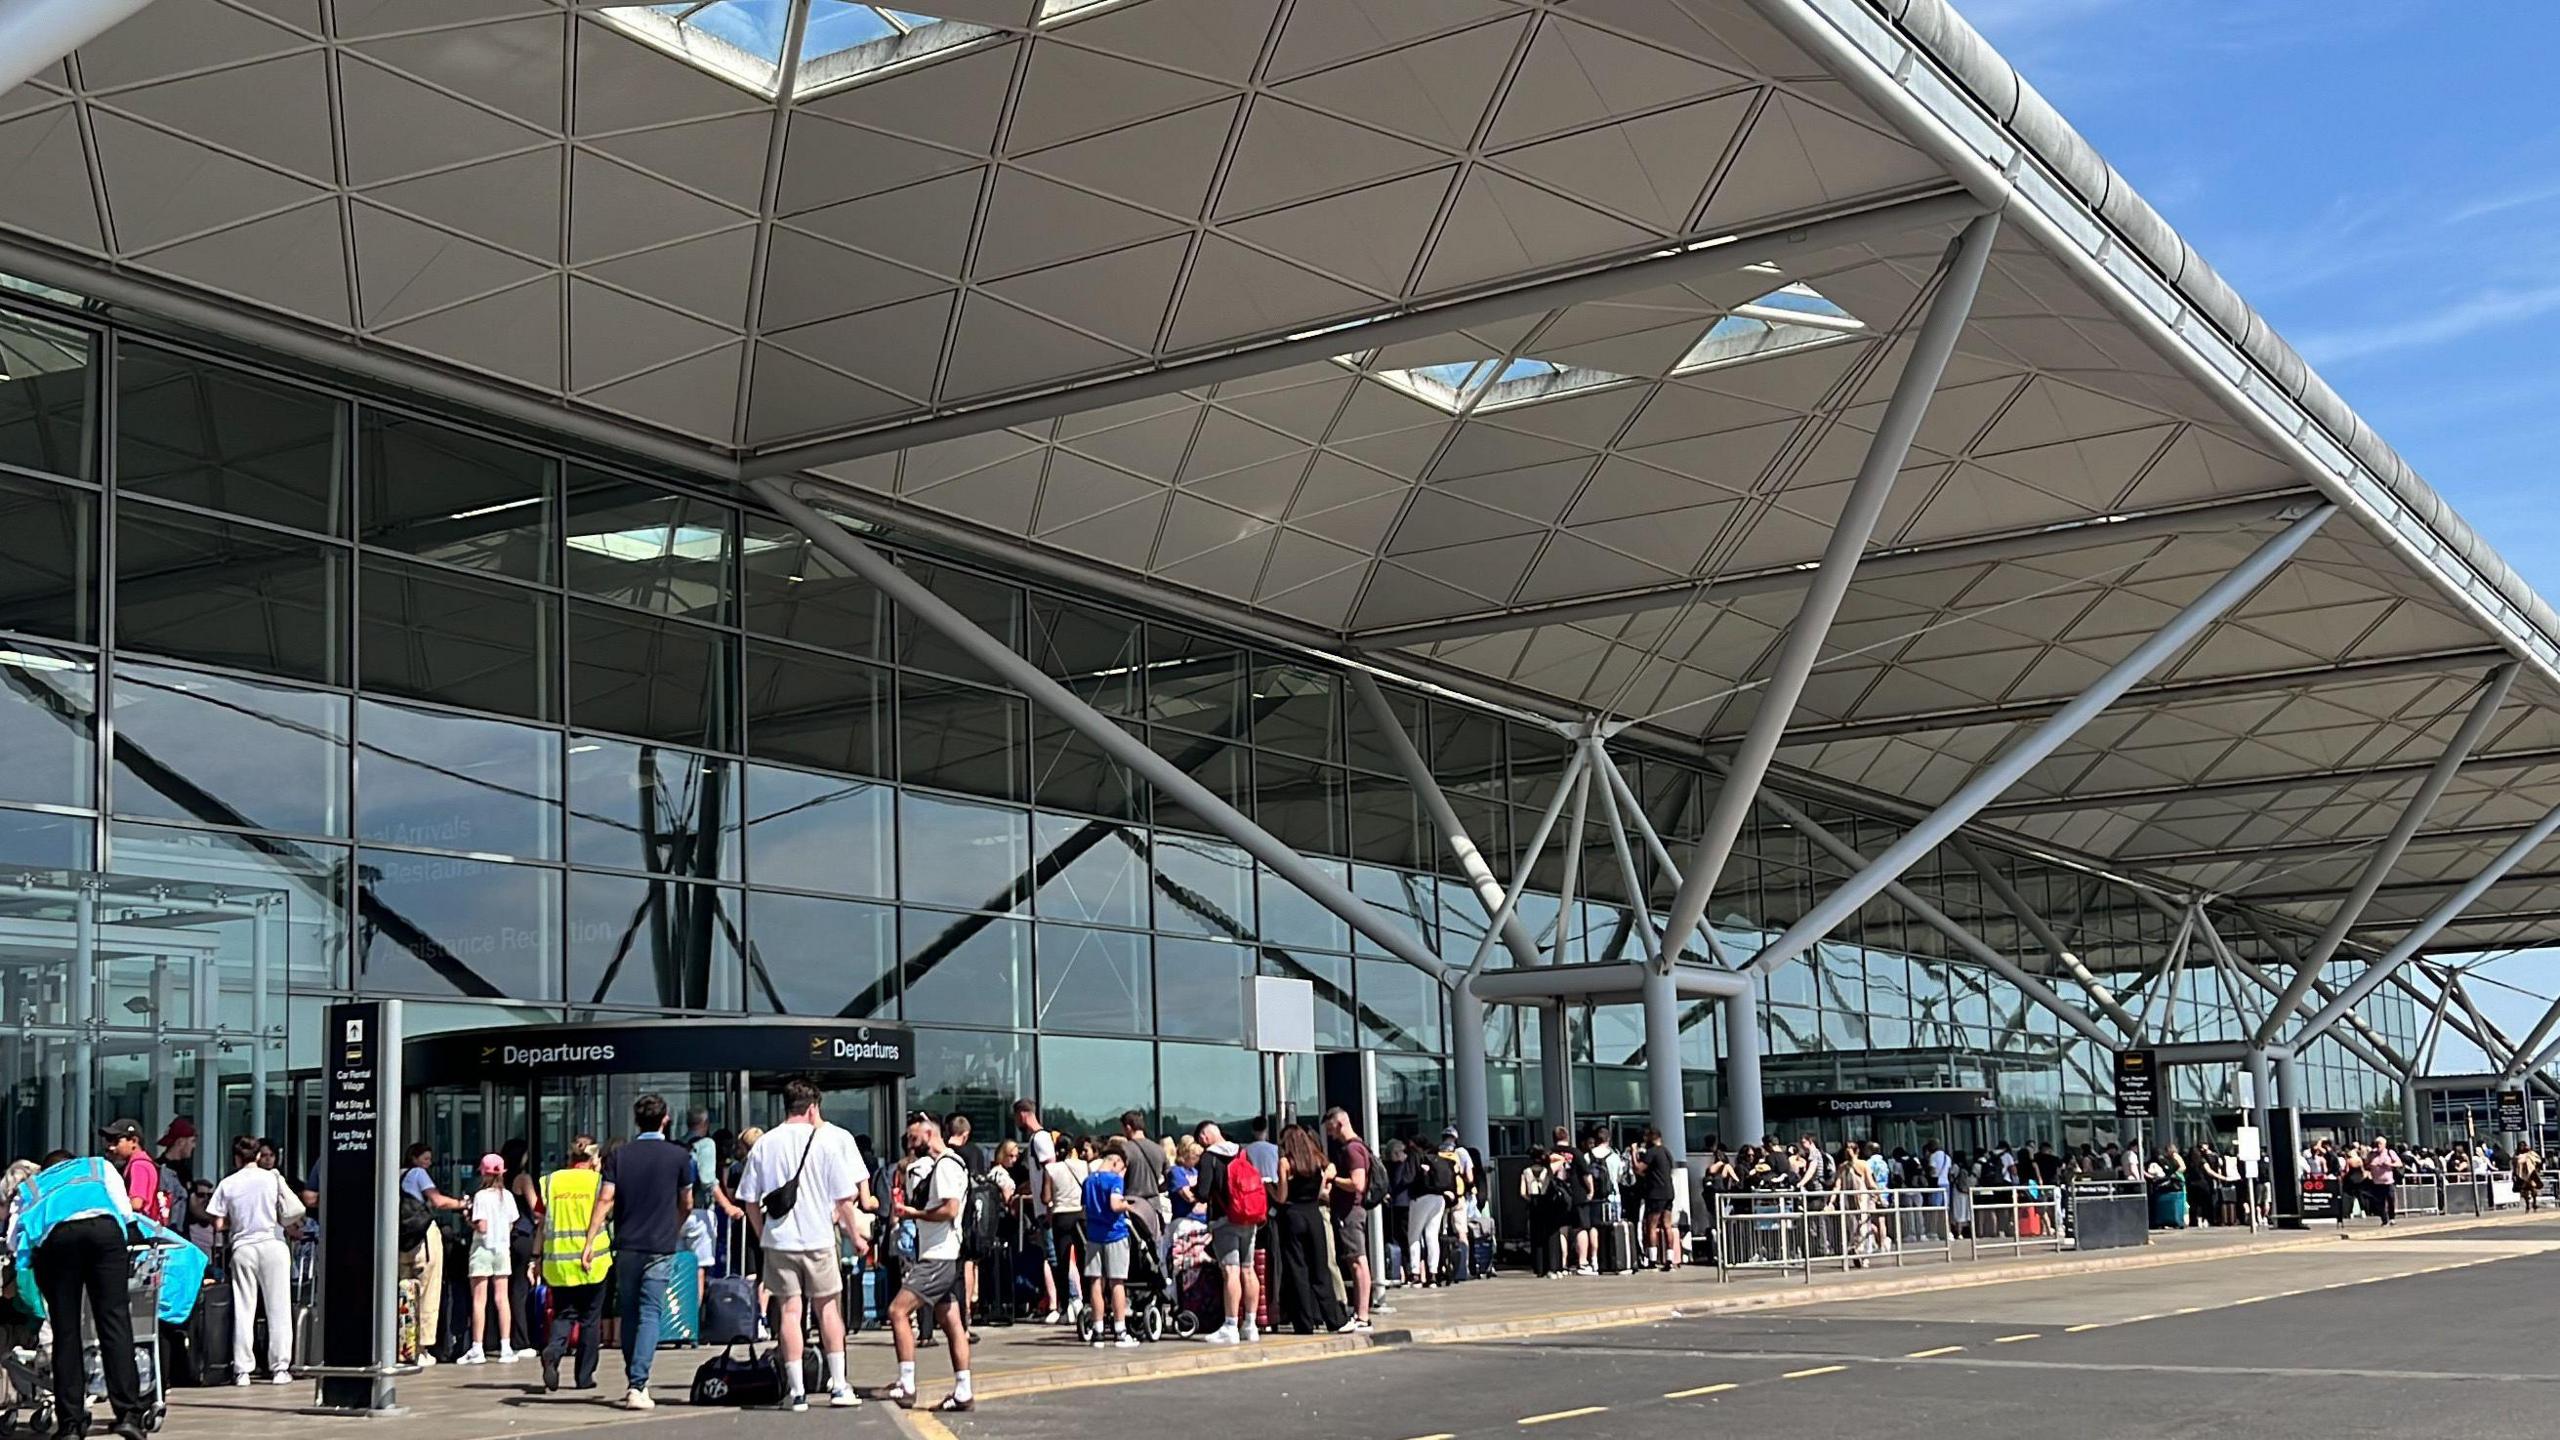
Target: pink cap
x=493, y=1165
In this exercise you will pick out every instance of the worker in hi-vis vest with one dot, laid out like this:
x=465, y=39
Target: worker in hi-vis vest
x=577, y=1283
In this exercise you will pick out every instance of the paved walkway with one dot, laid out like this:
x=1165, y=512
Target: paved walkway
x=448, y=1403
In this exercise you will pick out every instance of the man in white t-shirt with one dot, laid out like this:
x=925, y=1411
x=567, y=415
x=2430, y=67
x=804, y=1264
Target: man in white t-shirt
x=933, y=1189
x=803, y=1183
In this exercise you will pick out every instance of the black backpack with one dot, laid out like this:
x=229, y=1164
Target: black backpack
x=981, y=1219
x=415, y=1222
x=1435, y=1176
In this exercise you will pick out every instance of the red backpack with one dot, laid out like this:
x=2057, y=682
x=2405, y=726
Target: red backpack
x=1246, y=1202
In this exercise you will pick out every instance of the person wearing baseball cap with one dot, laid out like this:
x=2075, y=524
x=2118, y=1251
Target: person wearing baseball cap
x=68, y=1228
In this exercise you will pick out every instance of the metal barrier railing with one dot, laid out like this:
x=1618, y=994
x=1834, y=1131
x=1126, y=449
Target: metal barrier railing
x=1802, y=1230
x=2013, y=1219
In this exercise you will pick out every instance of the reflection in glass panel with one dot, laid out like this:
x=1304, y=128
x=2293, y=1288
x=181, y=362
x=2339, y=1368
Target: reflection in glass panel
x=44, y=396
x=959, y=737
x=456, y=782
x=217, y=751
x=1195, y=683
x=991, y=605
x=32, y=840
x=1091, y=871
x=1096, y=980
x=1385, y=824
x=1219, y=766
x=48, y=557
x=1413, y=1097
x=797, y=592
x=807, y=956
x=209, y=435
x=48, y=726
x=1200, y=989
x=647, y=546
x=458, y=639
x=1095, y=653
x=444, y=925
x=660, y=943
x=963, y=855
x=1301, y=802
x=448, y=495
x=967, y=969
x=660, y=678
x=648, y=807
x=1297, y=710
x=1409, y=902
x=1086, y=1084
x=979, y=1073
x=1210, y=1082
x=816, y=832
x=810, y=709
x=228, y=594
x=1291, y=917
x=313, y=877
x=1203, y=888
x=1399, y=1007
x=1070, y=772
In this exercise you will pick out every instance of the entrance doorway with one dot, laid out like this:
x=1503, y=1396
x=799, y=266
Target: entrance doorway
x=470, y=1092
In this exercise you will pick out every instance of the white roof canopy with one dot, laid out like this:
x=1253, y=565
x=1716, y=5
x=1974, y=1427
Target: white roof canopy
x=1151, y=290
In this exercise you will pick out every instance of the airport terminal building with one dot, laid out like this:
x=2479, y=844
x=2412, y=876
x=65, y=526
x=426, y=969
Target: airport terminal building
x=1588, y=531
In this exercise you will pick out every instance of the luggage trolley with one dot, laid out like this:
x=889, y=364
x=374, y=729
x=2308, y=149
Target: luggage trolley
x=29, y=1369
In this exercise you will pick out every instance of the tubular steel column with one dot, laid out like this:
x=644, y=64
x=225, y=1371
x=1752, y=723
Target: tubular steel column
x=2377, y=867
x=1947, y=925
x=2530, y=1052
x=1435, y=803
x=1740, y=1073
x=35, y=34
x=902, y=588
x=1665, y=1101
x=1931, y=348
x=1466, y=1059
x=2425, y=930
x=2099, y=994
x=1995, y=778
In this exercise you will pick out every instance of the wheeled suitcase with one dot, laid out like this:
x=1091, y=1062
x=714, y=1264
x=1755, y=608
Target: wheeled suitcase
x=728, y=1311
x=208, y=1336
x=1617, y=1248
x=683, y=1325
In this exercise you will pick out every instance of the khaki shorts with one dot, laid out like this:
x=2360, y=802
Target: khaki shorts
x=795, y=1274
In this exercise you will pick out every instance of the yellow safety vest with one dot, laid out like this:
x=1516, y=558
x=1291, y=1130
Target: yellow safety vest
x=569, y=1207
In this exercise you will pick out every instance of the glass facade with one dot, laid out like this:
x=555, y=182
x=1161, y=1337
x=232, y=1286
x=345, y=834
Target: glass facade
x=496, y=726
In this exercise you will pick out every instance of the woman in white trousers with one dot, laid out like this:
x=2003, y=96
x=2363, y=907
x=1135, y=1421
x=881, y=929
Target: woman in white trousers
x=250, y=1209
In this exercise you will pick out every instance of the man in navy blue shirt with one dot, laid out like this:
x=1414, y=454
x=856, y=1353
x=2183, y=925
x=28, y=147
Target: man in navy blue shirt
x=643, y=1192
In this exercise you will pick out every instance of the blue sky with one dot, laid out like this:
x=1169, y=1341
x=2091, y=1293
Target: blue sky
x=2380, y=179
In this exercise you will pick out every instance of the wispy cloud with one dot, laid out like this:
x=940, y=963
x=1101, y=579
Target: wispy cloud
x=2433, y=325
x=2520, y=198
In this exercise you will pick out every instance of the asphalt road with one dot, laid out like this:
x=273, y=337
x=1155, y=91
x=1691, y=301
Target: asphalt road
x=2433, y=1335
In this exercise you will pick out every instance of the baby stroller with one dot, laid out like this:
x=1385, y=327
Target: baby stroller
x=1151, y=1307
x=1199, y=1286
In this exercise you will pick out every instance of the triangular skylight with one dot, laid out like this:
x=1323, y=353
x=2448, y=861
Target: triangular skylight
x=842, y=41
x=1794, y=317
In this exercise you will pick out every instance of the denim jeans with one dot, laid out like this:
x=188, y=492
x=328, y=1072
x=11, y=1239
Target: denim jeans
x=643, y=1277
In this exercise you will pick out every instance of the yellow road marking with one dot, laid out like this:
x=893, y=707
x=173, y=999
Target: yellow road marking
x=2076, y=1329
x=1701, y=1390
x=1560, y=1415
x=923, y=1423
x=2252, y=1299
x=2014, y=1339
x=2189, y=1310
x=1933, y=1354
x=2138, y=1319
x=1443, y=1435
x=1809, y=1374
